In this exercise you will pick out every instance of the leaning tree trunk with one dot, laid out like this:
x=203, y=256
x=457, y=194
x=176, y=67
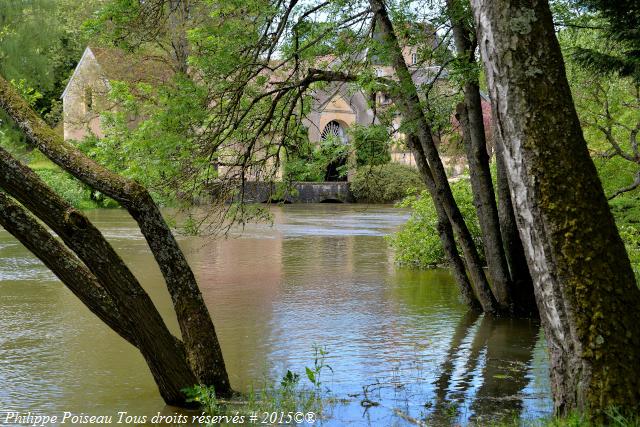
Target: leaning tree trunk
x=475, y=144
x=64, y=264
x=408, y=101
x=444, y=228
x=135, y=317
x=484, y=198
x=201, y=343
x=585, y=288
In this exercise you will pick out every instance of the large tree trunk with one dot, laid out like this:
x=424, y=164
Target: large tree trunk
x=585, y=288
x=138, y=319
x=475, y=144
x=201, y=343
x=408, y=101
x=444, y=228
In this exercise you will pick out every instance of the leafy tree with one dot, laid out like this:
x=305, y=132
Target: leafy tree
x=259, y=63
x=609, y=110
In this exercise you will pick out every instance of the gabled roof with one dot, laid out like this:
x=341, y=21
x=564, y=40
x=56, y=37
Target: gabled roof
x=116, y=64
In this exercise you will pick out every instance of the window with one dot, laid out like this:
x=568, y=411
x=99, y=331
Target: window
x=414, y=58
x=88, y=99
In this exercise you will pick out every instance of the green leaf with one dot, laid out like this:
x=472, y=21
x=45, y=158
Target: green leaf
x=311, y=375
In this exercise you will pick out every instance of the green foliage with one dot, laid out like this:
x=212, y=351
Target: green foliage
x=161, y=152
x=29, y=94
x=386, y=183
x=205, y=396
x=40, y=44
x=417, y=244
x=319, y=365
x=309, y=163
x=26, y=29
x=67, y=187
x=618, y=22
x=372, y=145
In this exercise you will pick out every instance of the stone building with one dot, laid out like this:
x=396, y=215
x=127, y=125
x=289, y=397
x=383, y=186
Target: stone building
x=335, y=109
x=86, y=94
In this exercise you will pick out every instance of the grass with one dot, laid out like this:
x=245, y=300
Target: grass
x=289, y=396
x=613, y=417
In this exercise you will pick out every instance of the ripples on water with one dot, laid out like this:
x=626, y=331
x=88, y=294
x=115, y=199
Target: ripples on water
x=323, y=275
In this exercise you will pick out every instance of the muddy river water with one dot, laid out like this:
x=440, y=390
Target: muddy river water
x=322, y=275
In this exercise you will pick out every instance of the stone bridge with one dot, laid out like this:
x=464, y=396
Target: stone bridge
x=300, y=192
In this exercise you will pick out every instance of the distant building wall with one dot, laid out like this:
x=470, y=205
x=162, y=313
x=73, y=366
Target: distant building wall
x=84, y=99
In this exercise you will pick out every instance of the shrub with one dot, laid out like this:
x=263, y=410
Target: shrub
x=417, y=243
x=68, y=188
x=386, y=183
x=372, y=145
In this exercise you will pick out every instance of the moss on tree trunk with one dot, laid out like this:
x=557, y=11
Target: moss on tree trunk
x=585, y=289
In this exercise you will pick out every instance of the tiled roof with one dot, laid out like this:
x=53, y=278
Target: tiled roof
x=117, y=64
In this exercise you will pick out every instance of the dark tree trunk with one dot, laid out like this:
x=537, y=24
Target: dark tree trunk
x=408, y=101
x=475, y=144
x=485, y=203
x=584, y=285
x=64, y=264
x=523, y=296
x=201, y=343
x=137, y=314
x=444, y=228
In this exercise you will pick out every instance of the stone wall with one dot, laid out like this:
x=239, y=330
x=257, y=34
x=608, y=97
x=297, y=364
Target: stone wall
x=302, y=192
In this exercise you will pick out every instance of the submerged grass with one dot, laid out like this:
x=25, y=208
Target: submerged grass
x=613, y=417
x=289, y=396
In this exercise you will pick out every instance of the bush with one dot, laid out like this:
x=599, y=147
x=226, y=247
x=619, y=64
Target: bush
x=73, y=191
x=372, y=145
x=385, y=184
x=309, y=163
x=417, y=243
x=66, y=187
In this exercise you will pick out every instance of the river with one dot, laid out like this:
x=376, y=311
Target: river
x=322, y=275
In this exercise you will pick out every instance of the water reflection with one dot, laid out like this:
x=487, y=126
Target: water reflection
x=322, y=275
x=486, y=371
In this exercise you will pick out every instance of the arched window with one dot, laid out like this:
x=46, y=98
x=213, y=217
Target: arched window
x=335, y=133
x=333, y=129
x=414, y=58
